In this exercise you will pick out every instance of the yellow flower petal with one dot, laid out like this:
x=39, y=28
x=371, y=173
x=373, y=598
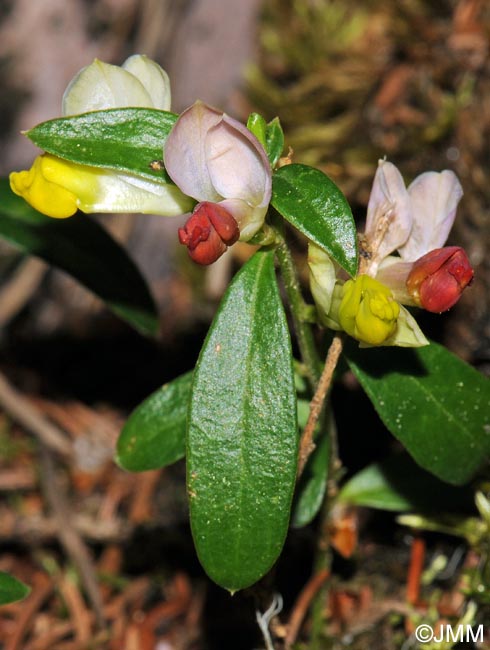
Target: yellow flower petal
x=40, y=188
x=58, y=187
x=368, y=311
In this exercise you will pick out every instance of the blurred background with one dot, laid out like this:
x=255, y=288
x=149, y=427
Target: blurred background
x=351, y=82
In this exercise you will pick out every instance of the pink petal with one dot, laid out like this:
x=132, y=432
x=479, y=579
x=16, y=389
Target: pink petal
x=389, y=200
x=185, y=152
x=237, y=163
x=434, y=198
x=250, y=220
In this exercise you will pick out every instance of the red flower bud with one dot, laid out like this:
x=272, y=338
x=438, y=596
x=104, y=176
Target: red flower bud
x=208, y=232
x=438, y=278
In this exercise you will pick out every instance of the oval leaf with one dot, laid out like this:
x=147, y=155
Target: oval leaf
x=312, y=486
x=398, y=484
x=274, y=141
x=154, y=434
x=11, y=589
x=270, y=135
x=86, y=251
x=125, y=139
x=257, y=125
x=242, y=436
x=313, y=204
x=434, y=403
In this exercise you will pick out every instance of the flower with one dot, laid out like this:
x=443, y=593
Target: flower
x=220, y=163
x=368, y=312
x=363, y=307
x=415, y=222
x=59, y=187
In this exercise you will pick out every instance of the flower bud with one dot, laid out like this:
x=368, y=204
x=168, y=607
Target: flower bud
x=213, y=158
x=438, y=278
x=138, y=82
x=208, y=232
x=368, y=311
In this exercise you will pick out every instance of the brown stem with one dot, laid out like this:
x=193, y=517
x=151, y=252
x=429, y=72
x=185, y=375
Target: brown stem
x=302, y=604
x=417, y=558
x=306, y=445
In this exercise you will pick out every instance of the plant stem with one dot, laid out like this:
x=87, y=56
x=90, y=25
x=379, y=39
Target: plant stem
x=302, y=604
x=304, y=334
x=322, y=563
x=320, y=381
x=323, y=554
x=306, y=445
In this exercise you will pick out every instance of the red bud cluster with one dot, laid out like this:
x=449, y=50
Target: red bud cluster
x=437, y=279
x=208, y=232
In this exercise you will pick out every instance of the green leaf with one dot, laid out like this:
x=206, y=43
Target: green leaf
x=125, y=139
x=257, y=125
x=11, y=589
x=311, y=488
x=274, y=141
x=434, y=403
x=242, y=436
x=312, y=485
x=83, y=249
x=398, y=484
x=154, y=434
x=313, y=204
x=270, y=136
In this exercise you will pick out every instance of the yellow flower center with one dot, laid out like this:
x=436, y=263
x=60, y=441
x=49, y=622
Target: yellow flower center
x=43, y=186
x=368, y=311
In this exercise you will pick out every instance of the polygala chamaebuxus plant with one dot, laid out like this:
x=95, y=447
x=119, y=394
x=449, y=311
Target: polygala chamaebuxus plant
x=118, y=148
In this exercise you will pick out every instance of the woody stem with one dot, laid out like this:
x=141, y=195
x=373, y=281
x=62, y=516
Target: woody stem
x=306, y=445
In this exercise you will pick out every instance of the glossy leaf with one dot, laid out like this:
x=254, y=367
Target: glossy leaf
x=313, y=204
x=398, y=484
x=125, y=139
x=312, y=485
x=274, y=141
x=242, y=436
x=270, y=135
x=154, y=434
x=434, y=403
x=11, y=589
x=257, y=125
x=86, y=251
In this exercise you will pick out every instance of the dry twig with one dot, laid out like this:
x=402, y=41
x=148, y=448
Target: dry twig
x=18, y=290
x=20, y=410
x=300, y=608
x=42, y=588
x=69, y=538
x=306, y=445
